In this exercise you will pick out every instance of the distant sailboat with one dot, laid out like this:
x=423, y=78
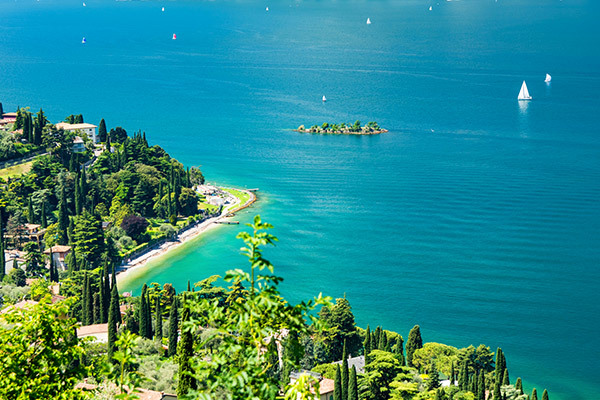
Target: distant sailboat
x=430, y=8
x=324, y=99
x=83, y=40
x=174, y=37
x=368, y=21
x=267, y=9
x=524, y=93
x=163, y=9
x=548, y=78
x=84, y=4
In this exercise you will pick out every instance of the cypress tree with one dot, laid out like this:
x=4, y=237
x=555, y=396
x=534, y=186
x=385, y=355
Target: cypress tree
x=345, y=373
x=545, y=395
x=108, y=144
x=189, y=290
x=158, y=312
x=185, y=352
x=149, y=331
x=30, y=128
x=367, y=345
x=353, y=385
x=481, y=387
x=89, y=302
x=115, y=294
x=337, y=384
x=519, y=385
x=101, y=300
x=413, y=343
x=53, y=268
x=452, y=374
x=463, y=376
x=107, y=293
x=142, y=312
x=497, y=392
x=77, y=196
x=112, y=322
x=96, y=307
x=63, y=218
x=505, y=379
x=1, y=110
x=173, y=324
x=102, y=130
x=533, y=394
x=30, y=218
x=84, y=298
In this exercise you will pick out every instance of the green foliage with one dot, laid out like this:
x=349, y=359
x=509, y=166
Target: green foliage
x=353, y=385
x=89, y=238
x=39, y=353
x=337, y=388
x=435, y=355
x=379, y=374
x=17, y=277
x=326, y=370
x=341, y=328
x=413, y=343
x=238, y=332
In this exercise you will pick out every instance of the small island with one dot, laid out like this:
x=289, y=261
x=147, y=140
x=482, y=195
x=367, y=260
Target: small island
x=372, y=128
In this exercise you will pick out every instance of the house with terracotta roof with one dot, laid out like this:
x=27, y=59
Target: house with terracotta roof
x=58, y=255
x=325, y=385
x=88, y=129
x=98, y=331
x=142, y=394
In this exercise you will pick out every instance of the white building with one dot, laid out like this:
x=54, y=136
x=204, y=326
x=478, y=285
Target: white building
x=88, y=129
x=78, y=145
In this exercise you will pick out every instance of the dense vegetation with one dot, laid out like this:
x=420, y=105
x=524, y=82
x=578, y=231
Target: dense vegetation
x=237, y=341
x=348, y=129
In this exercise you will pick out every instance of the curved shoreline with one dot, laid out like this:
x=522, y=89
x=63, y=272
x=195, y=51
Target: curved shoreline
x=139, y=263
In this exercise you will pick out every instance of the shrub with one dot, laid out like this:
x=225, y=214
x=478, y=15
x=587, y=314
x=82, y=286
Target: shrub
x=134, y=226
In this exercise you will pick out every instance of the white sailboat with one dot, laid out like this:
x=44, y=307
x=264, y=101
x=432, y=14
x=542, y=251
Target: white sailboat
x=267, y=9
x=324, y=99
x=430, y=8
x=368, y=21
x=84, y=4
x=83, y=41
x=548, y=78
x=163, y=9
x=524, y=93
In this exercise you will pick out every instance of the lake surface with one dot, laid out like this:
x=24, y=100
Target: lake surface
x=476, y=217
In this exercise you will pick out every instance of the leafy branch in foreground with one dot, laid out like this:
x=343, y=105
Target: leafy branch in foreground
x=230, y=360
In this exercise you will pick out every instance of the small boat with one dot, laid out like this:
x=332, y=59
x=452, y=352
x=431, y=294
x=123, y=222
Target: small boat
x=548, y=78
x=84, y=4
x=430, y=8
x=524, y=93
x=324, y=99
x=163, y=9
x=174, y=37
x=267, y=9
x=368, y=21
x=83, y=40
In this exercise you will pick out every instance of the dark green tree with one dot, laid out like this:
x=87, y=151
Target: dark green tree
x=545, y=395
x=505, y=379
x=142, y=312
x=519, y=385
x=63, y=218
x=367, y=344
x=2, y=258
x=345, y=373
x=497, y=391
x=337, y=385
x=173, y=329
x=433, y=382
x=106, y=289
x=30, y=215
x=353, y=385
x=89, y=237
x=102, y=130
x=413, y=343
x=534, y=394
x=112, y=322
x=340, y=320
x=481, y=387
x=115, y=294
x=158, y=313
x=185, y=352
x=463, y=376
x=44, y=220
x=96, y=308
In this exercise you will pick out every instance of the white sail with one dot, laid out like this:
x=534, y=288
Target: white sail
x=524, y=93
x=368, y=21
x=324, y=99
x=548, y=78
x=430, y=8
x=267, y=9
x=163, y=9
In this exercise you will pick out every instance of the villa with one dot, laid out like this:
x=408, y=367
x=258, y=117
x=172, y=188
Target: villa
x=58, y=254
x=325, y=385
x=88, y=129
x=78, y=145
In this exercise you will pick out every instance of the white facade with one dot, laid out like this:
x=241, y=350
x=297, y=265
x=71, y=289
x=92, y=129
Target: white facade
x=88, y=129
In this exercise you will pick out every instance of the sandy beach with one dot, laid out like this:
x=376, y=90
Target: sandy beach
x=142, y=261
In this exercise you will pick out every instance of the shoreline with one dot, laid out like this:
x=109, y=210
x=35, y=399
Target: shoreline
x=140, y=262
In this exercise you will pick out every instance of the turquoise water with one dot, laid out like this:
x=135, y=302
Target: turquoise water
x=475, y=217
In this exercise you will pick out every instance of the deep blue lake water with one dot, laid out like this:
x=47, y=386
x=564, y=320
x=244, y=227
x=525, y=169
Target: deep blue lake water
x=476, y=217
